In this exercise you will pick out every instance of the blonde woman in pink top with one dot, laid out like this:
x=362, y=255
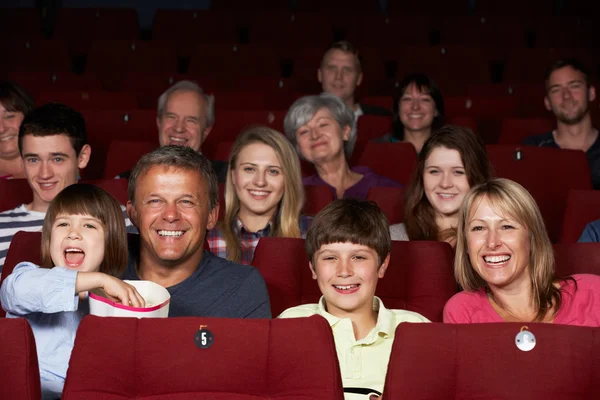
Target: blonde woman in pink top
x=505, y=264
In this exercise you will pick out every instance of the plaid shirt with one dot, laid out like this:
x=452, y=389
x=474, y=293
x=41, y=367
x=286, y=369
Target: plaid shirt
x=248, y=239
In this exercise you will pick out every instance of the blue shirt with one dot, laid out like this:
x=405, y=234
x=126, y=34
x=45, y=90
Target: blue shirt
x=591, y=233
x=46, y=298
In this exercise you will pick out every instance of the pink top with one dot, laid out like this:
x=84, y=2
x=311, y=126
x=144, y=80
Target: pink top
x=579, y=306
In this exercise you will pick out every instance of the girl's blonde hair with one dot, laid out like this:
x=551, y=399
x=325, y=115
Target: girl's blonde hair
x=87, y=199
x=285, y=221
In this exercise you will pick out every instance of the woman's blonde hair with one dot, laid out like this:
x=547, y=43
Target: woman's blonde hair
x=87, y=199
x=285, y=221
x=510, y=199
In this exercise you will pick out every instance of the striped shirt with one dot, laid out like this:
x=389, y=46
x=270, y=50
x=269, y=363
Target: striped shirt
x=21, y=219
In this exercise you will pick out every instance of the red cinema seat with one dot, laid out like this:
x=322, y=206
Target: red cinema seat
x=113, y=60
x=548, y=174
x=104, y=126
x=577, y=258
x=396, y=161
x=249, y=359
x=20, y=23
x=81, y=26
x=234, y=60
x=19, y=368
x=420, y=276
x=90, y=100
x=44, y=81
x=515, y=130
x=370, y=127
x=218, y=151
x=298, y=29
x=14, y=193
x=482, y=361
x=468, y=122
x=123, y=154
x=317, y=197
x=117, y=188
x=583, y=207
x=391, y=202
x=34, y=55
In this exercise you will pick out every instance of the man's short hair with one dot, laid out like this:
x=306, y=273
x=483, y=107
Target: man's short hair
x=350, y=220
x=55, y=119
x=568, y=62
x=189, y=86
x=180, y=157
x=346, y=47
x=13, y=98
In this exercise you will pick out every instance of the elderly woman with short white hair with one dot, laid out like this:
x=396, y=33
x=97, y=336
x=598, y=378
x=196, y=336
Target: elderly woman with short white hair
x=323, y=130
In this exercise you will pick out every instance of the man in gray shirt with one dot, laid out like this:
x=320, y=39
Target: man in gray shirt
x=173, y=200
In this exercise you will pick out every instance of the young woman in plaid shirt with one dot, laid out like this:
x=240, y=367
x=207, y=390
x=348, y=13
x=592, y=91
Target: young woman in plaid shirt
x=263, y=195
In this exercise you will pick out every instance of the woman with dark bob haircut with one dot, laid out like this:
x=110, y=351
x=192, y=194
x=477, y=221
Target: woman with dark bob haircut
x=418, y=110
x=452, y=161
x=505, y=263
x=14, y=105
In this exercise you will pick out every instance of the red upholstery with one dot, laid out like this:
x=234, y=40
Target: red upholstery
x=234, y=60
x=116, y=187
x=419, y=278
x=577, y=258
x=396, y=161
x=370, y=127
x=123, y=154
x=391, y=202
x=582, y=208
x=547, y=173
x=44, y=81
x=34, y=55
x=218, y=151
x=249, y=359
x=297, y=29
x=90, y=100
x=14, y=193
x=317, y=197
x=466, y=121
x=24, y=246
x=20, y=23
x=515, y=130
x=126, y=123
x=19, y=367
x=230, y=123
x=481, y=361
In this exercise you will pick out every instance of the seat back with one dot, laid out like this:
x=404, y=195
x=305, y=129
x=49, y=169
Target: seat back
x=391, y=202
x=419, y=277
x=515, y=130
x=481, y=361
x=577, y=258
x=548, y=174
x=317, y=197
x=396, y=161
x=581, y=209
x=248, y=359
x=14, y=193
x=19, y=367
x=124, y=154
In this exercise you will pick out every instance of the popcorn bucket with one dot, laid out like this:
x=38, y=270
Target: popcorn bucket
x=157, y=300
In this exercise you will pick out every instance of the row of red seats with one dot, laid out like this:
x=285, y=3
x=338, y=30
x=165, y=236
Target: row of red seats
x=291, y=358
x=420, y=277
x=451, y=66
x=80, y=26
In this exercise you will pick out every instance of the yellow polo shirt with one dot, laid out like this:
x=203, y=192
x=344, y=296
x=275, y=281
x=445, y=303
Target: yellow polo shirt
x=363, y=363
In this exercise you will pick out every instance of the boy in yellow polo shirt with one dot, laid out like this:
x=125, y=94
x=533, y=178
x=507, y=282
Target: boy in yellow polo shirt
x=348, y=245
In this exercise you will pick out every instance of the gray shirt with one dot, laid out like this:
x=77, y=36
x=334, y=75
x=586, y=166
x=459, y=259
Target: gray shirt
x=398, y=232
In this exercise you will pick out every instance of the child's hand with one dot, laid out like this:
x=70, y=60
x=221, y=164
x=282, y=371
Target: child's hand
x=117, y=290
x=114, y=288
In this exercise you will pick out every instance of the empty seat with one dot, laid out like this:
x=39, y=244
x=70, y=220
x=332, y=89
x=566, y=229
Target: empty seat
x=369, y=127
x=317, y=197
x=419, y=278
x=90, y=100
x=43, y=81
x=229, y=123
x=291, y=29
x=577, y=258
x=564, y=169
x=161, y=358
x=34, y=55
x=581, y=209
x=396, y=161
x=81, y=26
x=391, y=202
x=515, y=130
x=482, y=361
x=234, y=60
x=19, y=368
x=121, y=124
x=122, y=155
x=14, y=193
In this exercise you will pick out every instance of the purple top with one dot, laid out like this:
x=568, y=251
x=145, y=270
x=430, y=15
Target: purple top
x=361, y=188
x=579, y=305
